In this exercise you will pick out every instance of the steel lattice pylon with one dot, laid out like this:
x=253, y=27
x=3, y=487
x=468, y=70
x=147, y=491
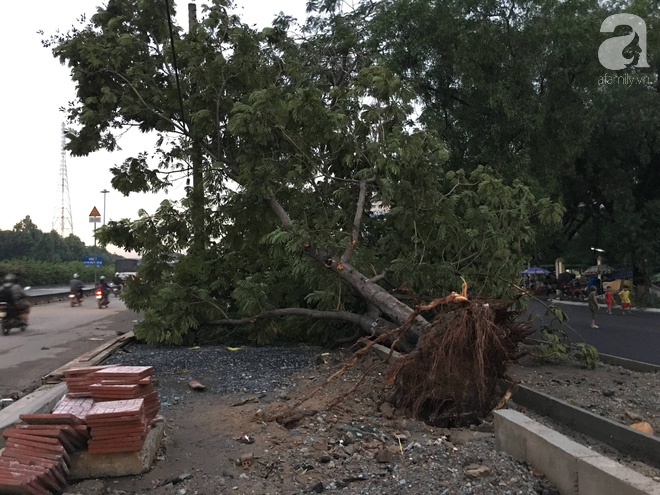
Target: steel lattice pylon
x=63, y=219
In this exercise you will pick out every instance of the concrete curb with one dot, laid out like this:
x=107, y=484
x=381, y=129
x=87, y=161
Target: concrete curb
x=572, y=468
x=628, y=364
x=619, y=436
x=41, y=401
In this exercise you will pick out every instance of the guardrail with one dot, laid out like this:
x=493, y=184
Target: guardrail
x=53, y=297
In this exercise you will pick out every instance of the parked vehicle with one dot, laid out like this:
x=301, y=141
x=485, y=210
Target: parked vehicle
x=575, y=289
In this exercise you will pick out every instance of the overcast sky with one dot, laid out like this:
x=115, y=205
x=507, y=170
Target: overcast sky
x=34, y=86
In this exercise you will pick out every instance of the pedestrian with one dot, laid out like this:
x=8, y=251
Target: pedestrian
x=593, y=305
x=624, y=295
x=609, y=299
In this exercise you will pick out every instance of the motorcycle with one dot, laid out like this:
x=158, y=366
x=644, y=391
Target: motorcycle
x=102, y=298
x=10, y=318
x=76, y=297
x=116, y=289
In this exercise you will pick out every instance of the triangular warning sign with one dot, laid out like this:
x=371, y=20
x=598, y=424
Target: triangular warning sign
x=95, y=213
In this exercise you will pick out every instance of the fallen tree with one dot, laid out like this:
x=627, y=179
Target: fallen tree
x=312, y=193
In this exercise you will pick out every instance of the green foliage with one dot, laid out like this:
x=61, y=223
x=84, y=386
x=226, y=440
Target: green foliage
x=40, y=258
x=554, y=348
x=587, y=355
x=40, y=273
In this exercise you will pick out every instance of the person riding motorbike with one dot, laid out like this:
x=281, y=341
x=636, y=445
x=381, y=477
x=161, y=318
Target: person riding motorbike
x=118, y=284
x=76, y=286
x=15, y=297
x=105, y=289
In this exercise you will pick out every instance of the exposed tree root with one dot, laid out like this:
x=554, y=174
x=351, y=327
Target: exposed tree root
x=450, y=378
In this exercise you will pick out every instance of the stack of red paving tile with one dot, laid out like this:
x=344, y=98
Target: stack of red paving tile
x=107, y=409
x=78, y=380
x=36, y=456
x=127, y=382
x=117, y=426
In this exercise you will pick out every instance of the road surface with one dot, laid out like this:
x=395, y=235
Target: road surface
x=57, y=333
x=635, y=336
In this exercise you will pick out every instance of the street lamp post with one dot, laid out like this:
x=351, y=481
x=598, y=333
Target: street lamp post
x=104, y=192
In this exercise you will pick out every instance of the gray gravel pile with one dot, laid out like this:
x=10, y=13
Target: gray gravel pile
x=260, y=371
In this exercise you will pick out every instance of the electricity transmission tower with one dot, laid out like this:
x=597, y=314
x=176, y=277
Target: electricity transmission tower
x=63, y=219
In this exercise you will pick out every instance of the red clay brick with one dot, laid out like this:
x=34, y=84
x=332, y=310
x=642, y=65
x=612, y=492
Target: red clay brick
x=36, y=452
x=43, y=475
x=14, y=487
x=13, y=433
x=125, y=371
x=114, y=448
x=58, y=463
x=51, y=419
x=116, y=409
x=64, y=432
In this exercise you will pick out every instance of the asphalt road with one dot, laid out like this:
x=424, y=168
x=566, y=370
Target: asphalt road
x=56, y=334
x=635, y=336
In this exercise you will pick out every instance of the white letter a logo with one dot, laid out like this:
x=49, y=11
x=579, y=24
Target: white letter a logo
x=610, y=52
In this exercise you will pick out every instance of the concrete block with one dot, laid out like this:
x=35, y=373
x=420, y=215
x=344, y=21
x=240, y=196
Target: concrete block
x=623, y=438
x=510, y=434
x=573, y=468
x=85, y=465
x=41, y=401
x=545, y=449
x=555, y=456
x=602, y=476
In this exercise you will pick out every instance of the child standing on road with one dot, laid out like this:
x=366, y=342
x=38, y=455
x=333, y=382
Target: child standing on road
x=609, y=299
x=624, y=294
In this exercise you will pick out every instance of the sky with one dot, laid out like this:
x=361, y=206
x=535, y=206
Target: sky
x=34, y=88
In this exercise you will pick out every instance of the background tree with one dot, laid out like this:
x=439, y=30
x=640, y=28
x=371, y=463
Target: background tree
x=518, y=86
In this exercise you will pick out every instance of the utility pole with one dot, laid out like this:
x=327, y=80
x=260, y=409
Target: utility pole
x=104, y=192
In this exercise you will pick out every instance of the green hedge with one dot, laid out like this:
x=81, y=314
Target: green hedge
x=39, y=273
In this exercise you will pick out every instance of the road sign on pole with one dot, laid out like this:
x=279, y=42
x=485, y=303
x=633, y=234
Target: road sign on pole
x=92, y=261
x=94, y=216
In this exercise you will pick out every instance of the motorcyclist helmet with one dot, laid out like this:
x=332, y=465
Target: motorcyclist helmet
x=10, y=278
x=75, y=275
x=102, y=278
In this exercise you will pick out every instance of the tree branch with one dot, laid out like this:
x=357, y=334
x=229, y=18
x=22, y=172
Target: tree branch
x=367, y=323
x=362, y=198
x=378, y=277
x=281, y=213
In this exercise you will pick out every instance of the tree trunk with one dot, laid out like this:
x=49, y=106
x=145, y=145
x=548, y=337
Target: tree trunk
x=393, y=309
